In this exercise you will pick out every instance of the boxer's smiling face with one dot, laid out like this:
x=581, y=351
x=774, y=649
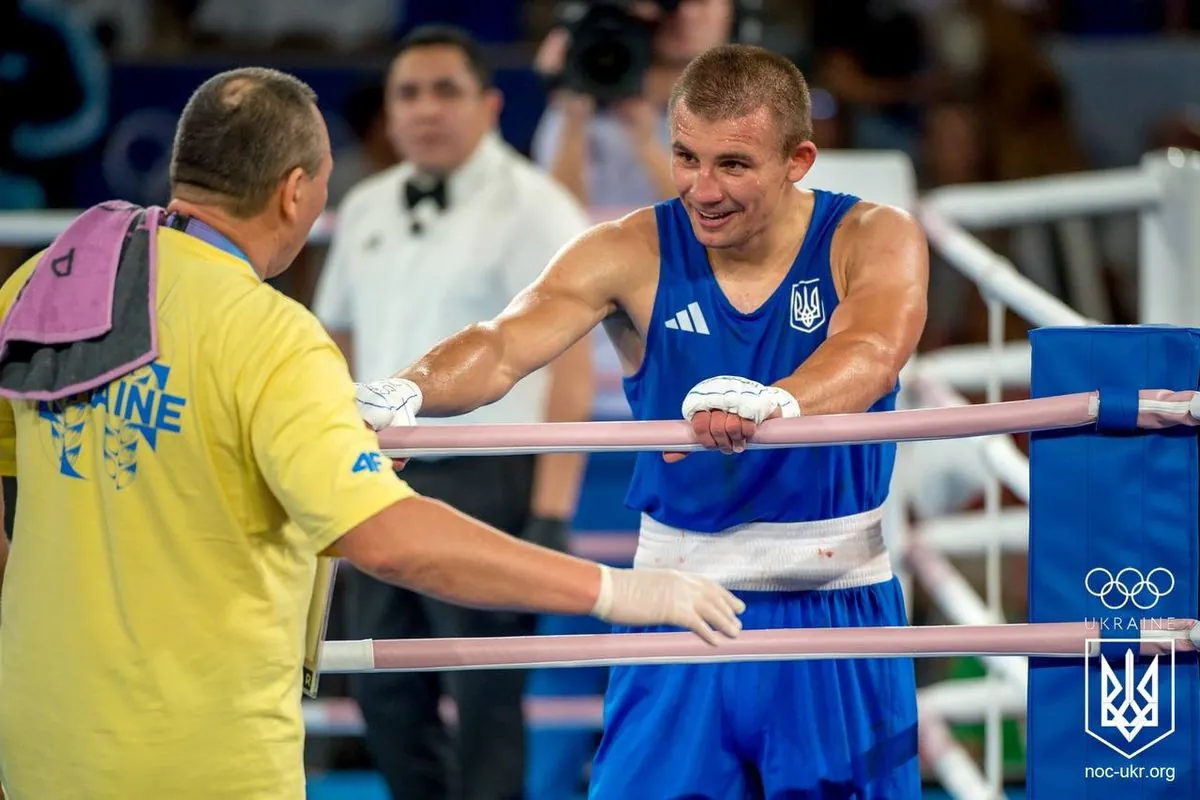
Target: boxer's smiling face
x=732, y=173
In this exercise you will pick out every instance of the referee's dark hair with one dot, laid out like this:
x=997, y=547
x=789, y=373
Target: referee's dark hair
x=241, y=133
x=449, y=36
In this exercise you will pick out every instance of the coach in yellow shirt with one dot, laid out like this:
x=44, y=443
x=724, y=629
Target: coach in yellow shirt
x=154, y=601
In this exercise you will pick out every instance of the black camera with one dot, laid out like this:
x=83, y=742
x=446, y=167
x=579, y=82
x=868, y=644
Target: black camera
x=611, y=48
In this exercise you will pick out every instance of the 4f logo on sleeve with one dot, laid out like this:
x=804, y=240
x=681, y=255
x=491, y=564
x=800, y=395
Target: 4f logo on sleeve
x=1130, y=706
x=808, y=312
x=368, y=462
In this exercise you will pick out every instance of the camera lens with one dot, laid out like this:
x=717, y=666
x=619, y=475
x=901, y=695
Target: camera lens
x=606, y=61
x=609, y=53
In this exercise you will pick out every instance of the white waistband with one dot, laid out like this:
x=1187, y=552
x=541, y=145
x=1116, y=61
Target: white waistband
x=774, y=556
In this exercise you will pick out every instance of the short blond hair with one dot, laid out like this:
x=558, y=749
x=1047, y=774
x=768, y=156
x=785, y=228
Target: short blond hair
x=734, y=80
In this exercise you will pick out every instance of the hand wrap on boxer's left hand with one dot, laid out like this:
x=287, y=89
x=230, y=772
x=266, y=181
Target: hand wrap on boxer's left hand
x=726, y=410
x=741, y=397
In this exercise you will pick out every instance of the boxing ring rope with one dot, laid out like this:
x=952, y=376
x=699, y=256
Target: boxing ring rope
x=951, y=593
x=997, y=452
x=1157, y=408
x=985, y=640
x=1165, y=189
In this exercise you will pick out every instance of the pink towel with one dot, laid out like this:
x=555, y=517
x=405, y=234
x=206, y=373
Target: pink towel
x=87, y=314
x=70, y=294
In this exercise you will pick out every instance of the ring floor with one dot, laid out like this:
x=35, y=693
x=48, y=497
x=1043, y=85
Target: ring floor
x=368, y=786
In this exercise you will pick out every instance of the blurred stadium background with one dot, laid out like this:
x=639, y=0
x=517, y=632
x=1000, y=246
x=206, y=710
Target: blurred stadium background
x=974, y=91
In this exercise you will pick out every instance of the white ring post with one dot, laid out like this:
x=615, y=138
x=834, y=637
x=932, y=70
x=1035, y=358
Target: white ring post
x=993, y=748
x=1169, y=242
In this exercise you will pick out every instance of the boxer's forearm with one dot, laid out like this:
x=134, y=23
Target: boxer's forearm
x=846, y=374
x=461, y=373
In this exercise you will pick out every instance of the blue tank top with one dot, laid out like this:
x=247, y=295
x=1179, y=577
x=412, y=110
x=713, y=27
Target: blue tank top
x=694, y=334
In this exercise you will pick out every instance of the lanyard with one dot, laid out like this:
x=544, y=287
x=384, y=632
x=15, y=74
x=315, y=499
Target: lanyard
x=206, y=233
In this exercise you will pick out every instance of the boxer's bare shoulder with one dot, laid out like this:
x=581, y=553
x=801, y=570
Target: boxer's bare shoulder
x=635, y=239
x=873, y=238
x=879, y=258
x=628, y=247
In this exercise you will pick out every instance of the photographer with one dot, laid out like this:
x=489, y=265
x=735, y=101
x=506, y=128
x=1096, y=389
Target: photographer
x=612, y=65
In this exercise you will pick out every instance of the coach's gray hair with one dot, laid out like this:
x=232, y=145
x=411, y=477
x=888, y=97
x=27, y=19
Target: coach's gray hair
x=241, y=133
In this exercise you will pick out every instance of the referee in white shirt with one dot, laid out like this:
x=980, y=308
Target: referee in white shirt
x=421, y=250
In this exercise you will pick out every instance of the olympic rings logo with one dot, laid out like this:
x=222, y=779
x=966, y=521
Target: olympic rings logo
x=1129, y=587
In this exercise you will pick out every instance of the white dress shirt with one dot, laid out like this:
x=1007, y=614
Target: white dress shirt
x=400, y=292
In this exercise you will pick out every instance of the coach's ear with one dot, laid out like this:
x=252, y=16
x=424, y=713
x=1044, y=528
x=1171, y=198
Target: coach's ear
x=290, y=194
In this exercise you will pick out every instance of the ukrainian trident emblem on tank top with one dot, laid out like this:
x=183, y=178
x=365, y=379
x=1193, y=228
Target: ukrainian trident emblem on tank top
x=133, y=411
x=807, y=311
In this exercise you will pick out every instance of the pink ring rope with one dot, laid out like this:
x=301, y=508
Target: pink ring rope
x=1045, y=639
x=1157, y=409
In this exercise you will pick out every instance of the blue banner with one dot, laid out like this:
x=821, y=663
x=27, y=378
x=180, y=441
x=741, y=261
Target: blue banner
x=1114, y=527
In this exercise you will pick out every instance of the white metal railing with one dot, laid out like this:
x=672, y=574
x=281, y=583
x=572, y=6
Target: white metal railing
x=969, y=534
x=995, y=275
x=969, y=367
x=995, y=205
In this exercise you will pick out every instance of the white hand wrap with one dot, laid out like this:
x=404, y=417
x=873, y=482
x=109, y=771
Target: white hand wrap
x=390, y=403
x=739, y=396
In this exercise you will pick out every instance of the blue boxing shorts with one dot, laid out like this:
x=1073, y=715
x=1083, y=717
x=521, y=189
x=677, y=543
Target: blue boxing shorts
x=771, y=729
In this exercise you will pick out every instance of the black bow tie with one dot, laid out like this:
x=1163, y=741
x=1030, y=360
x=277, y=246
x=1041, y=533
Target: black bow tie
x=415, y=192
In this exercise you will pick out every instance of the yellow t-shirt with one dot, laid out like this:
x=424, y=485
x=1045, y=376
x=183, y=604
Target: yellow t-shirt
x=165, y=545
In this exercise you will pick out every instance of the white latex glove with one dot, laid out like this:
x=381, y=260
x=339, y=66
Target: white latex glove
x=667, y=597
x=390, y=403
